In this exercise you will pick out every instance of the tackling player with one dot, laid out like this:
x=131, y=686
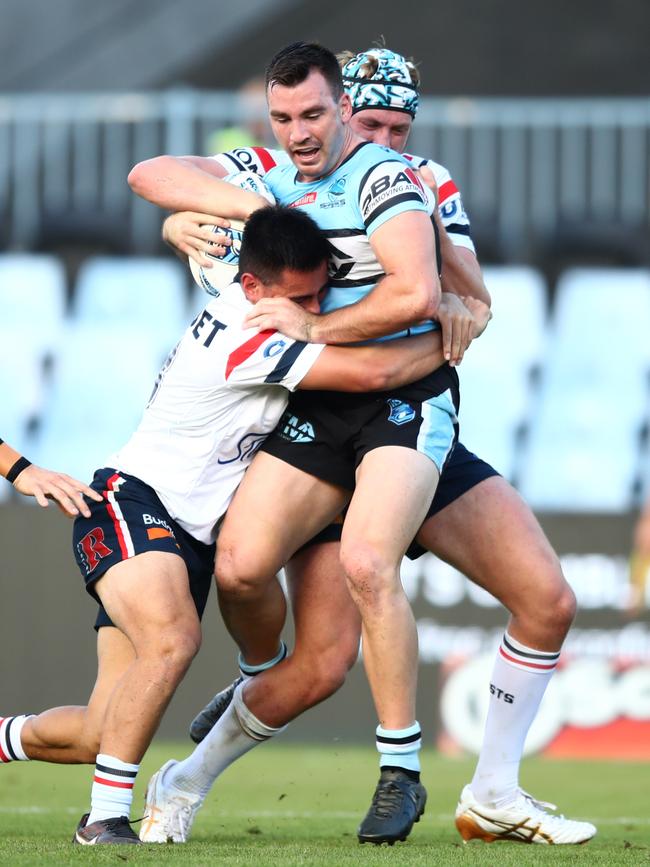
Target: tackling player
x=477, y=521
x=375, y=212
x=146, y=551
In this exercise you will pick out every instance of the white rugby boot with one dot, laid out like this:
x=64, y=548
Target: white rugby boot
x=168, y=812
x=524, y=821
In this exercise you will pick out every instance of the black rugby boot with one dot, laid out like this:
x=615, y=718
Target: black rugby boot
x=397, y=804
x=206, y=719
x=114, y=830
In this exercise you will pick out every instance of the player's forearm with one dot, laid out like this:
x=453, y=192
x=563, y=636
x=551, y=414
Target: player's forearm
x=390, y=307
x=461, y=272
x=8, y=458
x=408, y=359
x=178, y=184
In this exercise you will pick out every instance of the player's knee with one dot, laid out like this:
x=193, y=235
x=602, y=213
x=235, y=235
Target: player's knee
x=175, y=647
x=563, y=607
x=327, y=674
x=371, y=577
x=238, y=574
x=552, y=607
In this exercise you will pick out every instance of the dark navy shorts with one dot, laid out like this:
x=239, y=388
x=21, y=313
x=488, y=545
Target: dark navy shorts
x=132, y=520
x=463, y=471
x=327, y=434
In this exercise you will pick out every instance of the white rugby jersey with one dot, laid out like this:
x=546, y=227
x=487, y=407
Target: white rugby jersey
x=220, y=392
x=450, y=203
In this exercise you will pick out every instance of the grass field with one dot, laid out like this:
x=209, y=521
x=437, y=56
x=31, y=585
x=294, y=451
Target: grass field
x=293, y=805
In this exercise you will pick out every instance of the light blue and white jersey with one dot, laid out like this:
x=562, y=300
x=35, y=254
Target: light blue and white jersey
x=372, y=185
x=450, y=204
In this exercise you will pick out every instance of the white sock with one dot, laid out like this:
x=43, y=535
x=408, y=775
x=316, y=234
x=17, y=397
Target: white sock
x=11, y=748
x=237, y=732
x=519, y=680
x=112, y=790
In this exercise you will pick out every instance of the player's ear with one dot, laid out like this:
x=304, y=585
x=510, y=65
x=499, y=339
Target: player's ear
x=251, y=286
x=345, y=107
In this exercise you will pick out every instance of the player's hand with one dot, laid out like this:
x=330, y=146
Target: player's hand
x=186, y=231
x=481, y=314
x=46, y=485
x=427, y=177
x=283, y=315
x=457, y=324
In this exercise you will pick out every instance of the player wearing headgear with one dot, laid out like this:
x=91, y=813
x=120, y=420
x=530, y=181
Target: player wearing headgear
x=473, y=506
x=146, y=550
x=383, y=281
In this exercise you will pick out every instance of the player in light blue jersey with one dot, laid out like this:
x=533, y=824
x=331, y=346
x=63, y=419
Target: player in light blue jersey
x=388, y=452
x=472, y=506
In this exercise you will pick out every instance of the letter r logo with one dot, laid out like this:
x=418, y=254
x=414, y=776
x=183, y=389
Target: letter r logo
x=92, y=549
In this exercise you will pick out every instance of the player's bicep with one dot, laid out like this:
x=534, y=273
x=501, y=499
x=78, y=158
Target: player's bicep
x=405, y=245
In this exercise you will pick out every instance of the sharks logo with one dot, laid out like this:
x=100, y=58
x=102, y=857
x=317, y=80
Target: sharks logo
x=400, y=412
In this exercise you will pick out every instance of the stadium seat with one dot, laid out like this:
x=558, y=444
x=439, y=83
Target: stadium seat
x=146, y=293
x=496, y=372
x=583, y=450
x=32, y=298
x=101, y=382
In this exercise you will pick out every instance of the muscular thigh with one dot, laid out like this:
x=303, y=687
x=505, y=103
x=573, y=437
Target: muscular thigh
x=280, y=507
x=492, y=536
x=393, y=493
x=147, y=594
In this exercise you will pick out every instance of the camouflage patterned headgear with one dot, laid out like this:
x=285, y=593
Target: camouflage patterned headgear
x=379, y=78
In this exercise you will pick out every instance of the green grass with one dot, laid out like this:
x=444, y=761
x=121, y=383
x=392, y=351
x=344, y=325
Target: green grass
x=294, y=805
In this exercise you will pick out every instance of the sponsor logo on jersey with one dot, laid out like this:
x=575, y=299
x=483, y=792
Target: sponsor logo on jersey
x=400, y=412
x=391, y=185
x=246, y=448
x=295, y=430
x=274, y=348
x=307, y=199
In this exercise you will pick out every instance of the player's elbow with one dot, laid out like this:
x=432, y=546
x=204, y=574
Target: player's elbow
x=424, y=298
x=378, y=375
x=142, y=176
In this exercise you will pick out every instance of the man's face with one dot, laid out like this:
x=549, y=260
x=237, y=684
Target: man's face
x=383, y=126
x=305, y=288
x=310, y=124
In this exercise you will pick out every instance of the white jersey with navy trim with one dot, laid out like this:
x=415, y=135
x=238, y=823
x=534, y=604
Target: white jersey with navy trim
x=450, y=203
x=220, y=392
x=372, y=185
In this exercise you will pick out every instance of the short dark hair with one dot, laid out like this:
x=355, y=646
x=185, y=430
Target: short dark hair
x=278, y=237
x=292, y=65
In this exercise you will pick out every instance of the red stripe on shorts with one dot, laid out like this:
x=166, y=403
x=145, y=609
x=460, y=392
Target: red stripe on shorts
x=114, y=518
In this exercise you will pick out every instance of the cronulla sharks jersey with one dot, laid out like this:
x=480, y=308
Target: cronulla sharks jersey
x=221, y=391
x=372, y=185
x=450, y=202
